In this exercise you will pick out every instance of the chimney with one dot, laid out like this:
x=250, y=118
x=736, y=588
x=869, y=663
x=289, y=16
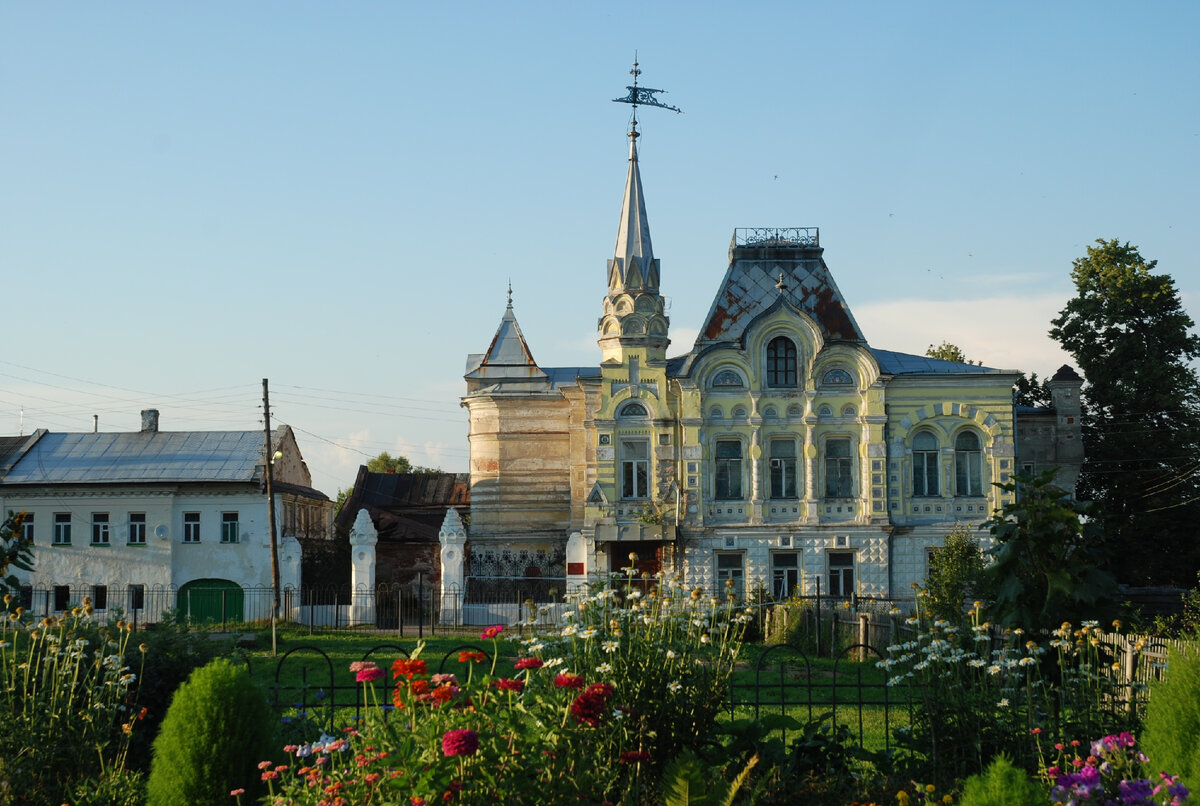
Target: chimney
x=95, y=423
x=149, y=421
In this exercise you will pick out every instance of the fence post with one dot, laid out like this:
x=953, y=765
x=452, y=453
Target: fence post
x=817, y=631
x=864, y=635
x=1129, y=670
x=420, y=609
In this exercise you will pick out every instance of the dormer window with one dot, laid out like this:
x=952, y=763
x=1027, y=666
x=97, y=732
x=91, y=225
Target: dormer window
x=781, y=362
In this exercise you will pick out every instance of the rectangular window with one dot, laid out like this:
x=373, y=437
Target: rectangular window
x=99, y=528
x=137, y=528
x=635, y=468
x=728, y=469
x=137, y=597
x=839, y=474
x=27, y=527
x=925, y=473
x=25, y=597
x=191, y=527
x=841, y=573
x=229, y=527
x=968, y=473
x=62, y=597
x=62, y=529
x=785, y=574
x=730, y=569
x=783, y=468
x=100, y=597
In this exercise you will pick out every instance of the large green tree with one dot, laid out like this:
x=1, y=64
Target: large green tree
x=948, y=352
x=386, y=463
x=1133, y=342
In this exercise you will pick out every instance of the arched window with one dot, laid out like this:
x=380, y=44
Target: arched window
x=968, y=465
x=849, y=411
x=781, y=362
x=633, y=409
x=925, y=475
x=839, y=469
x=738, y=412
x=837, y=377
x=727, y=379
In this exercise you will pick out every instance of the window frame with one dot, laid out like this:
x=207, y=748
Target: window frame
x=926, y=466
x=785, y=578
x=634, y=470
x=779, y=475
x=99, y=597
x=136, y=529
x=968, y=466
x=27, y=531
x=228, y=535
x=101, y=529
x=191, y=527
x=845, y=573
x=62, y=529
x=730, y=570
x=137, y=596
x=835, y=489
x=782, y=369
x=728, y=471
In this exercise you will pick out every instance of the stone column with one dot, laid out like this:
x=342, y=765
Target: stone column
x=289, y=577
x=363, y=537
x=453, y=537
x=578, y=555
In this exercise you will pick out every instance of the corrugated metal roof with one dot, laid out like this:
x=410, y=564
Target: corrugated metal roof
x=143, y=456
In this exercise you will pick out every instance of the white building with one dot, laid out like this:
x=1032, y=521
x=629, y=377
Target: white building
x=150, y=520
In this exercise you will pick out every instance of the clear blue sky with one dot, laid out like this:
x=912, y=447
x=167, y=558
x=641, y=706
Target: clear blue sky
x=195, y=196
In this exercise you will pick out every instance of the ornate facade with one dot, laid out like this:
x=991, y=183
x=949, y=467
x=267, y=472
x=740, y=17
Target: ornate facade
x=780, y=450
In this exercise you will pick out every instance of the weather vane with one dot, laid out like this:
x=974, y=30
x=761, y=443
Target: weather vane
x=642, y=96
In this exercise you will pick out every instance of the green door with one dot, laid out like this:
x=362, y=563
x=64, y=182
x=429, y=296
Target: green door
x=213, y=601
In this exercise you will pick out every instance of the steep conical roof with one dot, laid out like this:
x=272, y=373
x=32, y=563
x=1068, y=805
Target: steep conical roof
x=633, y=267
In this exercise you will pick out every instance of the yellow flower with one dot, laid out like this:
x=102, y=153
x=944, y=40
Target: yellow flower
x=947, y=800
x=902, y=798
x=930, y=788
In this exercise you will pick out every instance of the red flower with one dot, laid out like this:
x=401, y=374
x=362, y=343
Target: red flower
x=601, y=690
x=508, y=684
x=471, y=656
x=366, y=672
x=567, y=680
x=443, y=694
x=491, y=632
x=634, y=756
x=528, y=663
x=406, y=667
x=589, y=707
x=463, y=742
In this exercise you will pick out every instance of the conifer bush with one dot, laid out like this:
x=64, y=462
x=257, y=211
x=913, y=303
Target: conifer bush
x=1002, y=784
x=1173, y=718
x=217, y=729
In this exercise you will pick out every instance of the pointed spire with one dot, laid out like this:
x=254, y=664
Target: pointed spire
x=508, y=347
x=634, y=256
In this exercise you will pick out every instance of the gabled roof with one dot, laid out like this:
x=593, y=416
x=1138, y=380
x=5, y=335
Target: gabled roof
x=404, y=506
x=144, y=456
x=13, y=448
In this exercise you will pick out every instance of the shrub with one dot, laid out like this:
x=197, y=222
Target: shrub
x=217, y=728
x=1173, y=718
x=1002, y=784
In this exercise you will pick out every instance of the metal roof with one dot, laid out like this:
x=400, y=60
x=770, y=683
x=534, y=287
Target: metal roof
x=141, y=456
x=892, y=363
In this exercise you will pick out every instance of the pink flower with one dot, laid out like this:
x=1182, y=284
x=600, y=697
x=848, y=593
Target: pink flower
x=491, y=632
x=233, y=793
x=528, y=663
x=367, y=672
x=463, y=742
x=508, y=684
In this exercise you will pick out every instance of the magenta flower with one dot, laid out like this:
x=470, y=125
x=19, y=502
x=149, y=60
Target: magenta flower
x=491, y=632
x=463, y=742
x=528, y=663
x=366, y=672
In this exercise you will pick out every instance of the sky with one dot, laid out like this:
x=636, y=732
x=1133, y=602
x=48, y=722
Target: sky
x=335, y=196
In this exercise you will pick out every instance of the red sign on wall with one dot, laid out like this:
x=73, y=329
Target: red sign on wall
x=575, y=568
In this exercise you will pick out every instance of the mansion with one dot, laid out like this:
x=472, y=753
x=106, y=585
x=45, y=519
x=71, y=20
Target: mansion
x=780, y=450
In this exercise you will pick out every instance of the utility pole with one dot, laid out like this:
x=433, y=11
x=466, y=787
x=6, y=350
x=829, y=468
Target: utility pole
x=270, y=456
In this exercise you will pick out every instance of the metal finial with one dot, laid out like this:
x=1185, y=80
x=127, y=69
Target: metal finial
x=510, y=293
x=781, y=286
x=641, y=96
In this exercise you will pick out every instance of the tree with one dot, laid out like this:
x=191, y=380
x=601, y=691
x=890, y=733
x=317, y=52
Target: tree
x=386, y=463
x=1047, y=565
x=956, y=572
x=16, y=551
x=1031, y=392
x=949, y=352
x=1132, y=340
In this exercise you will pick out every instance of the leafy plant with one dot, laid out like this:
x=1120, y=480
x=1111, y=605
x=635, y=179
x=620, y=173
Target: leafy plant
x=956, y=575
x=1002, y=784
x=1173, y=717
x=1048, y=566
x=218, y=726
x=689, y=781
x=65, y=702
x=16, y=551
